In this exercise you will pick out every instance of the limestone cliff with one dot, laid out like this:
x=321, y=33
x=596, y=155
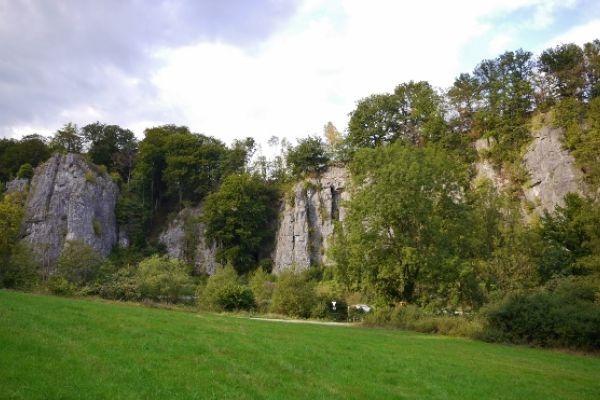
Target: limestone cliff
x=552, y=171
x=185, y=239
x=69, y=199
x=307, y=220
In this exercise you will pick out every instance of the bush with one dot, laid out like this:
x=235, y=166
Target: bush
x=223, y=291
x=164, y=279
x=262, y=285
x=294, y=295
x=60, y=286
x=21, y=270
x=324, y=309
x=79, y=263
x=121, y=285
x=414, y=318
x=25, y=171
x=565, y=314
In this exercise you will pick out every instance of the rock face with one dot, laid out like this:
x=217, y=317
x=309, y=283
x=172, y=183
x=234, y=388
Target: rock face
x=484, y=169
x=185, y=239
x=17, y=185
x=69, y=199
x=552, y=171
x=307, y=220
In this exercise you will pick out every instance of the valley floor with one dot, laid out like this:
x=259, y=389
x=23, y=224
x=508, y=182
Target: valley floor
x=58, y=348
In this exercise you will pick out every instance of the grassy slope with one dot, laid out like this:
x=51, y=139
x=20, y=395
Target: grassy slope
x=60, y=348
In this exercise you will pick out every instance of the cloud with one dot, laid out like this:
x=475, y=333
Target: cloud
x=578, y=35
x=238, y=68
x=81, y=58
x=329, y=55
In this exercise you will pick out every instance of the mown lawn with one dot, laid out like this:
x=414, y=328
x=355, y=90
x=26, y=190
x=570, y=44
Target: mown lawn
x=57, y=348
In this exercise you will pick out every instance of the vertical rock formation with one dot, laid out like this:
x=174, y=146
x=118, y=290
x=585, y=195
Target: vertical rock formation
x=552, y=171
x=185, y=239
x=307, y=220
x=69, y=199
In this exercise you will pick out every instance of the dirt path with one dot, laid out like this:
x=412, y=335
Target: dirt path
x=303, y=321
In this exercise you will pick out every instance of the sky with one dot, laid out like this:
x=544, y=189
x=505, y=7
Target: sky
x=261, y=68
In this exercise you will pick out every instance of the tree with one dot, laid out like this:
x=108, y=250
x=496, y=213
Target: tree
x=335, y=142
x=161, y=278
x=111, y=146
x=239, y=219
x=294, y=294
x=413, y=113
x=404, y=230
x=67, y=140
x=464, y=97
x=374, y=121
x=592, y=68
x=224, y=291
x=308, y=156
x=79, y=263
x=11, y=215
x=565, y=69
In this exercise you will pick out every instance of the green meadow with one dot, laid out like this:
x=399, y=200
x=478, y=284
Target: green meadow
x=59, y=348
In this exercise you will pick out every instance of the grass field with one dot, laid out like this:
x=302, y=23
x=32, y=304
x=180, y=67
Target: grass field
x=57, y=348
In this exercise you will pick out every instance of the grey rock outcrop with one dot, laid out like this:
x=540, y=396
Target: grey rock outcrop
x=484, y=169
x=69, y=199
x=185, y=239
x=552, y=171
x=17, y=185
x=307, y=220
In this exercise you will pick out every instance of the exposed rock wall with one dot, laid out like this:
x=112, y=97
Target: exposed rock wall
x=552, y=171
x=69, y=199
x=307, y=220
x=185, y=239
x=17, y=185
x=486, y=170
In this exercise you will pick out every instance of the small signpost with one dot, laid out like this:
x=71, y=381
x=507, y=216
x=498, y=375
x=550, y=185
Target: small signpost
x=333, y=303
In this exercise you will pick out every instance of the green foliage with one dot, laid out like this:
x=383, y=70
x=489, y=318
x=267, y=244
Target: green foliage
x=239, y=218
x=121, y=285
x=25, y=171
x=308, y=156
x=67, y=140
x=572, y=238
x=111, y=146
x=414, y=318
x=262, y=285
x=173, y=163
x=564, y=66
x=414, y=114
x=79, y=263
x=567, y=315
x=164, y=279
x=97, y=227
x=224, y=291
x=90, y=177
x=21, y=270
x=61, y=286
x=294, y=295
x=11, y=215
x=403, y=235
x=31, y=149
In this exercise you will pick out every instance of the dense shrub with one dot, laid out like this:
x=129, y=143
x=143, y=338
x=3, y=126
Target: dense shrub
x=121, y=285
x=565, y=314
x=223, y=291
x=324, y=309
x=25, y=171
x=262, y=285
x=79, y=263
x=21, y=270
x=414, y=318
x=59, y=285
x=294, y=295
x=164, y=279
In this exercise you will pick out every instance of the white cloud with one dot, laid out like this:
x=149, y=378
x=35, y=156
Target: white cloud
x=330, y=55
x=578, y=35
